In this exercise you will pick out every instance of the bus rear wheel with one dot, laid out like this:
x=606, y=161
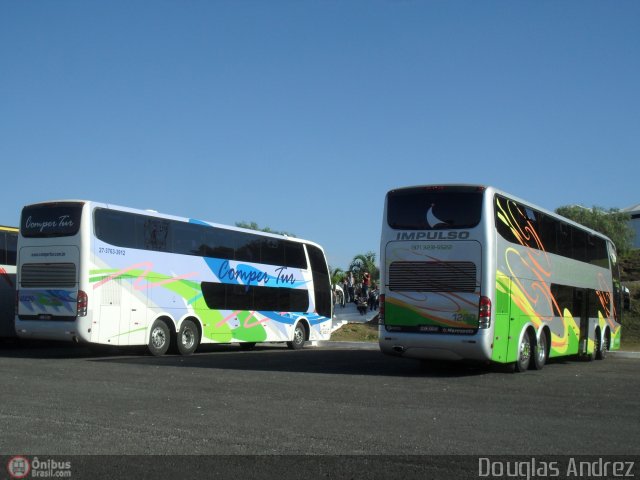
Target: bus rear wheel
x=299, y=337
x=602, y=348
x=188, y=338
x=540, y=352
x=524, y=353
x=159, y=338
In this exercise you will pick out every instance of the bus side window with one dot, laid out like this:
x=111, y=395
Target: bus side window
x=12, y=249
x=117, y=228
x=321, y=282
x=579, y=245
x=564, y=298
x=564, y=241
x=272, y=251
x=187, y=238
x=597, y=251
x=578, y=303
x=547, y=233
x=294, y=255
x=247, y=248
x=156, y=234
x=3, y=248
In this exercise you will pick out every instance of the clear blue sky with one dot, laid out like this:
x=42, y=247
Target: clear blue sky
x=300, y=115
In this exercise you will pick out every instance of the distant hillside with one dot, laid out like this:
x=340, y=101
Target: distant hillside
x=630, y=266
x=630, y=273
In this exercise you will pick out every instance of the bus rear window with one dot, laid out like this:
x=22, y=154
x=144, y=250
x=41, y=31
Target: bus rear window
x=429, y=208
x=51, y=220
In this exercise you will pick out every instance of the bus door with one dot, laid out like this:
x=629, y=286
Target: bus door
x=581, y=312
x=107, y=329
x=121, y=314
x=504, y=323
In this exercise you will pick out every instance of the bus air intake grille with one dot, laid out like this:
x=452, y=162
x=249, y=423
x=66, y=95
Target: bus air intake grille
x=48, y=275
x=433, y=277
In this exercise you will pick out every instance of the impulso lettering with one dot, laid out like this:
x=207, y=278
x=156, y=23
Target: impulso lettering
x=432, y=235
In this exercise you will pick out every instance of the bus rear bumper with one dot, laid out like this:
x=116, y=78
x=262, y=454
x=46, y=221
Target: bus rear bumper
x=47, y=330
x=425, y=346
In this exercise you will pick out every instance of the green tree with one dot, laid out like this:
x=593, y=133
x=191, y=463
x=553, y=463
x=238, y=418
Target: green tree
x=337, y=274
x=255, y=226
x=364, y=263
x=613, y=223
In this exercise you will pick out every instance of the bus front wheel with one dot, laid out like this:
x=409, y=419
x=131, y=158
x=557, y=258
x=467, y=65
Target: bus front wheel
x=299, y=337
x=159, y=338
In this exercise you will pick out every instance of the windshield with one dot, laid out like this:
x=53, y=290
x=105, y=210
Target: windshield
x=51, y=220
x=434, y=208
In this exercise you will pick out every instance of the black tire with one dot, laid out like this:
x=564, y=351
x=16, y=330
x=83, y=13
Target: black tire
x=524, y=353
x=591, y=356
x=159, y=338
x=247, y=346
x=188, y=338
x=602, y=350
x=540, y=352
x=299, y=338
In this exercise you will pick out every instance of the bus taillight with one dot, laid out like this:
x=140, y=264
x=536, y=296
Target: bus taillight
x=381, y=312
x=484, y=320
x=83, y=303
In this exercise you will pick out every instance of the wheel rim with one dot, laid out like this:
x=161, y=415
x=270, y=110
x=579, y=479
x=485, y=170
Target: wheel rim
x=542, y=348
x=525, y=349
x=158, y=337
x=298, y=335
x=187, y=338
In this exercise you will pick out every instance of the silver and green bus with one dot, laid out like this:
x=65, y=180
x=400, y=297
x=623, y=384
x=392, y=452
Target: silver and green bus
x=99, y=273
x=469, y=272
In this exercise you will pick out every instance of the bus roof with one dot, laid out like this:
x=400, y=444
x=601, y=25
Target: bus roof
x=493, y=190
x=155, y=213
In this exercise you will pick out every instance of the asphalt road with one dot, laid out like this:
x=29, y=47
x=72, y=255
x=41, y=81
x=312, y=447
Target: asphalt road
x=64, y=400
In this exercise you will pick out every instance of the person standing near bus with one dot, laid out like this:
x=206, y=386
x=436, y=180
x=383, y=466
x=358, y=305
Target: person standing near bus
x=351, y=287
x=366, y=281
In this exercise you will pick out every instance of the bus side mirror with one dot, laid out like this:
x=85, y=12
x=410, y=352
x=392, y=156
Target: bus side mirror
x=626, y=299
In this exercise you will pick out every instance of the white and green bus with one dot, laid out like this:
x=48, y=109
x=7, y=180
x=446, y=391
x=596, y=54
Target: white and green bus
x=95, y=272
x=472, y=273
x=8, y=245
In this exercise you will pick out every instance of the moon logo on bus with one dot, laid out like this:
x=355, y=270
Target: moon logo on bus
x=432, y=220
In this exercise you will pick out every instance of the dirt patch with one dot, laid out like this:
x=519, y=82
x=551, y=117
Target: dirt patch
x=357, y=332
